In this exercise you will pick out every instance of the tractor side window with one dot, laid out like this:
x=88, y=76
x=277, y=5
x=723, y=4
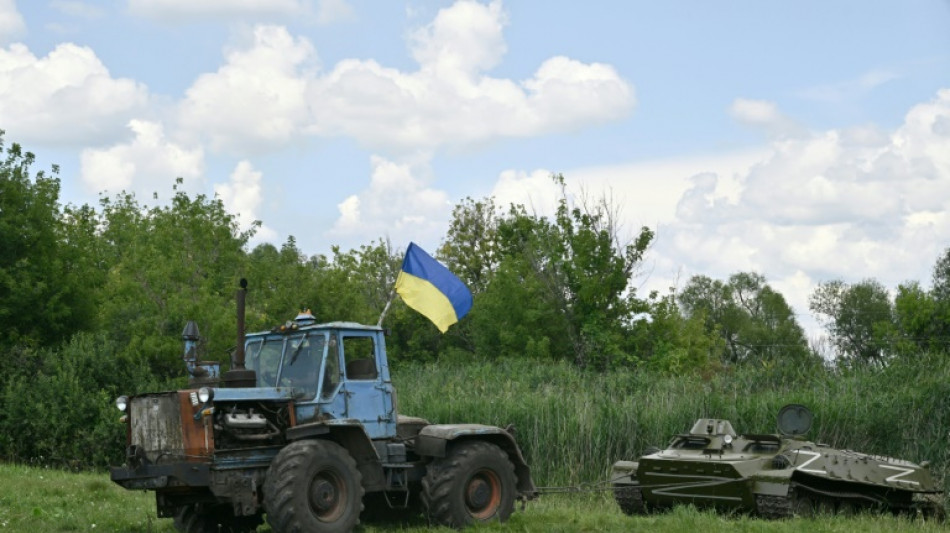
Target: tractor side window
x=252, y=351
x=302, y=364
x=331, y=374
x=360, y=356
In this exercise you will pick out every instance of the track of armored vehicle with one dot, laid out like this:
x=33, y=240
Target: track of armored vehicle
x=774, y=476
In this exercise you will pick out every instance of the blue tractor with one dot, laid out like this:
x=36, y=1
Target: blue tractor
x=302, y=430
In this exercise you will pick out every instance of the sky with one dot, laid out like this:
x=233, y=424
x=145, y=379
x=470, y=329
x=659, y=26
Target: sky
x=806, y=141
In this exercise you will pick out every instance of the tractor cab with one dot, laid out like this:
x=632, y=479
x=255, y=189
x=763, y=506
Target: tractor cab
x=335, y=371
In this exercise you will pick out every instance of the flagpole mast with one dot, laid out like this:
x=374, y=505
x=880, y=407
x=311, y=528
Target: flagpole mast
x=392, y=295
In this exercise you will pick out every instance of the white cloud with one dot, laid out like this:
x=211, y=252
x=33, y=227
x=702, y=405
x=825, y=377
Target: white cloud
x=462, y=41
x=12, y=25
x=67, y=97
x=765, y=115
x=148, y=164
x=838, y=204
x=242, y=197
x=330, y=11
x=535, y=190
x=391, y=110
x=397, y=202
x=269, y=94
x=849, y=89
x=650, y=192
x=257, y=99
x=183, y=10
x=754, y=111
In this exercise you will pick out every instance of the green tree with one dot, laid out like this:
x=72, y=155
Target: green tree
x=470, y=249
x=941, y=277
x=859, y=319
x=44, y=293
x=668, y=341
x=280, y=283
x=940, y=295
x=917, y=326
x=582, y=270
x=754, y=321
x=359, y=282
x=512, y=317
x=168, y=265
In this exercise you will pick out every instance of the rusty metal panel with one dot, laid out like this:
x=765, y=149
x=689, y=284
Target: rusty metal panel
x=197, y=435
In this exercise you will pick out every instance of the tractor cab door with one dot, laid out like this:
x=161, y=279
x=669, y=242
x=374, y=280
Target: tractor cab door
x=366, y=384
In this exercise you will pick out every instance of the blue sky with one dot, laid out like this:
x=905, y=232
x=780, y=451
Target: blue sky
x=806, y=141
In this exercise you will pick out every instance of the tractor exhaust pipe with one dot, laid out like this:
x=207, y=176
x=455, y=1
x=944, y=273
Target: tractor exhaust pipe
x=238, y=375
x=237, y=361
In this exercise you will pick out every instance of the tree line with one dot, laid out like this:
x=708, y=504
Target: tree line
x=93, y=300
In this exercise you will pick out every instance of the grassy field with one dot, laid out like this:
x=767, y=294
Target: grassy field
x=572, y=426
x=39, y=500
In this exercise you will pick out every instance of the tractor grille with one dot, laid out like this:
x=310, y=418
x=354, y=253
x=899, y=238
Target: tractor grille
x=166, y=427
x=156, y=426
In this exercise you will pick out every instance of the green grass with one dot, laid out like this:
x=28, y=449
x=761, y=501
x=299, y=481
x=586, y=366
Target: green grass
x=39, y=500
x=36, y=500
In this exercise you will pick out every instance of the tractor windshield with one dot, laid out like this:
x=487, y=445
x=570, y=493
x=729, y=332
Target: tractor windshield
x=292, y=361
x=301, y=365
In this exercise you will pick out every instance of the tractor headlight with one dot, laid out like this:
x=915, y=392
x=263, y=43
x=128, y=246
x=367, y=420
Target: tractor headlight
x=205, y=394
x=122, y=403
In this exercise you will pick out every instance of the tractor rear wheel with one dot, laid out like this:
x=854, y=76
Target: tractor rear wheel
x=205, y=518
x=474, y=482
x=313, y=486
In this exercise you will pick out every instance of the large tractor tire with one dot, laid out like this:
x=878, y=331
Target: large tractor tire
x=313, y=486
x=474, y=482
x=203, y=518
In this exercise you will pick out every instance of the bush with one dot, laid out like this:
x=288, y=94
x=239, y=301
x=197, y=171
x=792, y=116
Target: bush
x=57, y=406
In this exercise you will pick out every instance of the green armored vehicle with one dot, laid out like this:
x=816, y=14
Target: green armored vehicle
x=774, y=476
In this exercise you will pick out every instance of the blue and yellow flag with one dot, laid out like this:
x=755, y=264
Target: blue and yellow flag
x=429, y=288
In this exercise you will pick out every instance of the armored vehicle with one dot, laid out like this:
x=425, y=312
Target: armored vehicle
x=301, y=427
x=774, y=476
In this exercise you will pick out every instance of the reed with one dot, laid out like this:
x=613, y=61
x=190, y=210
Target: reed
x=572, y=425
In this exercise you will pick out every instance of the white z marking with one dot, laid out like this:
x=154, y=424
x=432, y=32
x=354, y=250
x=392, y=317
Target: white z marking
x=815, y=456
x=896, y=478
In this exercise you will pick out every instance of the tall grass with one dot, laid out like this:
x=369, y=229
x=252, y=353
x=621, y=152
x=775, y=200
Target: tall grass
x=572, y=425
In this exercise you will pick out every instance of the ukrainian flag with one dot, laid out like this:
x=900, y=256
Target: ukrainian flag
x=429, y=288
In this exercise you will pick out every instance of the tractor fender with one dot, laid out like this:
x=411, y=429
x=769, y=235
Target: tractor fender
x=350, y=434
x=433, y=441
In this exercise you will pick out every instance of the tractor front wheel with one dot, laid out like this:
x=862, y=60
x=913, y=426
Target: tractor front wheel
x=474, y=482
x=205, y=518
x=313, y=486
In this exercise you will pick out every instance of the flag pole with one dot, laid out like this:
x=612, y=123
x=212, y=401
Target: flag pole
x=392, y=295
